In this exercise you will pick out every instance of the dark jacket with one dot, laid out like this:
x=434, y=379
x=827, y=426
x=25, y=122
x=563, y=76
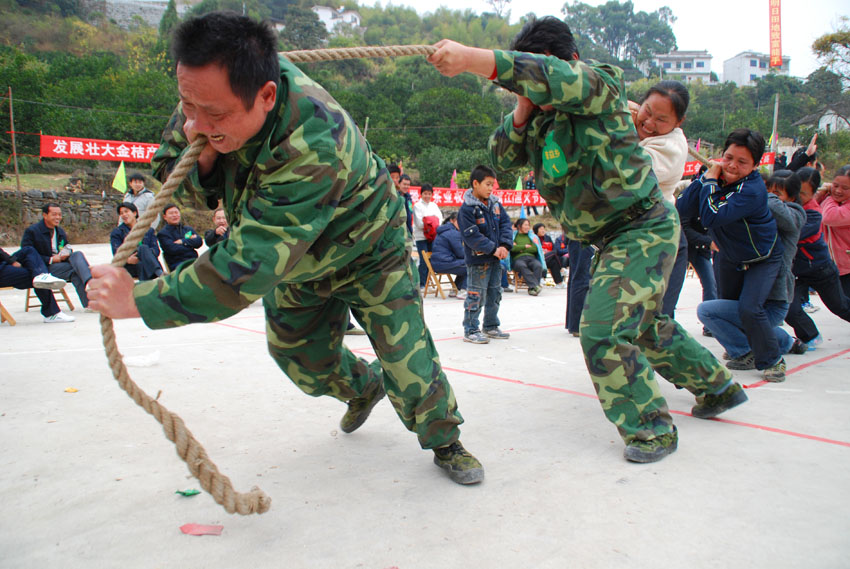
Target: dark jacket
x=736, y=216
x=211, y=238
x=447, y=249
x=562, y=246
x=483, y=228
x=176, y=253
x=699, y=241
x=116, y=238
x=812, y=251
x=39, y=236
x=790, y=218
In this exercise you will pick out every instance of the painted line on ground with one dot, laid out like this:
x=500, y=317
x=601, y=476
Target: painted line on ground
x=682, y=413
x=800, y=367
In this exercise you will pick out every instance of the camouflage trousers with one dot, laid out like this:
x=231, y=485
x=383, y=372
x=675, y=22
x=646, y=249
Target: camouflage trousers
x=306, y=324
x=625, y=336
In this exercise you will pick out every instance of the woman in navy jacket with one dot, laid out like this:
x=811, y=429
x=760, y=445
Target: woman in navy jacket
x=447, y=253
x=731, y=201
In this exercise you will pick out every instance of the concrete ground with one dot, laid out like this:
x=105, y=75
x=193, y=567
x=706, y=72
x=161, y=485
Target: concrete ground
x=87, y=479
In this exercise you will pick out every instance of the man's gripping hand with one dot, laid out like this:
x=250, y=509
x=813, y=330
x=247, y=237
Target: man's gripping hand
x=110, y=292
x=453, y=58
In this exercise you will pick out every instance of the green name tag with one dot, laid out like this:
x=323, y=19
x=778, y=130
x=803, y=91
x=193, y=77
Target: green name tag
x=554, y=162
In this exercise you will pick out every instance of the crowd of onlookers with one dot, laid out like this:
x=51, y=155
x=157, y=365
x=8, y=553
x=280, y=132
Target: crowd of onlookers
x=760, y=245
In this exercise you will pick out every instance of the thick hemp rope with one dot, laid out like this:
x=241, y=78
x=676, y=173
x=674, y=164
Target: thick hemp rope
x=188, y=448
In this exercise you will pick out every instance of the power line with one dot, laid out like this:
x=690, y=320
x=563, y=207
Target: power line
x=87, y=109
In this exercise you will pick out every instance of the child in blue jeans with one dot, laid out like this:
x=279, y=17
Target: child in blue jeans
x=487, y=238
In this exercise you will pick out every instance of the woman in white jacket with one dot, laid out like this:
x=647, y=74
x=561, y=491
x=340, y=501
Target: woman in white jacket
x=422, y=209
x=657, y=120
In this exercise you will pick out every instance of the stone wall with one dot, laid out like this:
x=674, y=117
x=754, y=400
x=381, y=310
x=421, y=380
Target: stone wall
x=77, y=209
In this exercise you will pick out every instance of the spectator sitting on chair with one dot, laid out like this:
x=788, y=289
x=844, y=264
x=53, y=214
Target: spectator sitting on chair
x=527, y=256
x=179, y=242
x=422, y=210
x=447, y=254
x=51, y=243
x=220, y=232
x=553, y=261
x=140, y=196
x=25, y=269
x=143, y=264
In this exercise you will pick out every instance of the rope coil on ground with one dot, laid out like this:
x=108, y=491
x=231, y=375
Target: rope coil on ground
x=190, y=450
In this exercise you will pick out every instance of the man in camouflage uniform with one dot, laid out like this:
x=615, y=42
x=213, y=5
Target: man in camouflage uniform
x=572, y=125
x=317, y=229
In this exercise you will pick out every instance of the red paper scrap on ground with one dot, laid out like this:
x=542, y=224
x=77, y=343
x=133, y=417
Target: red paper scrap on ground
x=201, y=529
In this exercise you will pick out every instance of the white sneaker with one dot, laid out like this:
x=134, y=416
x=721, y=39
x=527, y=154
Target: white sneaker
x=564, y=272
x=562, y=284
x=461, y=294
x=46, y=280
x=58, y=317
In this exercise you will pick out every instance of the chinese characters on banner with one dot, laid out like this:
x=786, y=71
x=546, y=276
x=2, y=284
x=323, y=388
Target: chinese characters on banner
x=692, y=168
x=446, y=197
x=775, y=34
x=93, y=149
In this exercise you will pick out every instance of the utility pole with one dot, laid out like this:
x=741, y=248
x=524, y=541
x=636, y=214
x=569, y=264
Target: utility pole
x=366, y=128
x=14, y=148
x=775, y=146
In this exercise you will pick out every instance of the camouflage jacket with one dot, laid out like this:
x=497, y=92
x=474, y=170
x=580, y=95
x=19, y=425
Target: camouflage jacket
x=587, y=163
x=306, y=200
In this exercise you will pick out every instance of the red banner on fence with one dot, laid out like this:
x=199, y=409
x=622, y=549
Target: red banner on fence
x=692, y=168
x=94, y=149
x=446, y=197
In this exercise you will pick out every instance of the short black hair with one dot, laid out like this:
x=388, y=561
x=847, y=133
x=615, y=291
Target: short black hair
x=788, y=181
x=536, y=227
x=404, y=177
x=451, y=217
x=544, y=35
x=46, y=207
x=480, y=172
x=131, y=206
x=394, y=169
x=426, y=188
x=750, y=139
x=675, y=92
x=843, y=171
x=136, y=176
x=810, y=175
x=247, y=49
x=518, y=223
x=168, y=206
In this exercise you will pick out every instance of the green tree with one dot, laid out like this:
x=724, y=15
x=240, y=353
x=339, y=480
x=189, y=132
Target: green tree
x=302, y=29
x=833, y=49
x=623, y=34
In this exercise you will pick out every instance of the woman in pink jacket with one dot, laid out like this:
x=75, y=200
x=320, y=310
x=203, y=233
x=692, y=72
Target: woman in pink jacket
x=835, y=209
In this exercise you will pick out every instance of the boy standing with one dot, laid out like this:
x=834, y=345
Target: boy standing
x=487, y=238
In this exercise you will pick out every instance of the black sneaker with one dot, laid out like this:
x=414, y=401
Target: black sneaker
x=461, y=466
x=709, y=406
x=798, y=347
x=652, y=450
x=359, y=409
x=747, y=361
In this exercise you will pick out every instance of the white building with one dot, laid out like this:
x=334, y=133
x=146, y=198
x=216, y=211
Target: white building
x=685, y=65
x=747, y=66
x=334, y=19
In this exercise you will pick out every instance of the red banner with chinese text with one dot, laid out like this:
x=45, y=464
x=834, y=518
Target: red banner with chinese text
x=775, y=34
x=446, y=197
x=94, y=149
